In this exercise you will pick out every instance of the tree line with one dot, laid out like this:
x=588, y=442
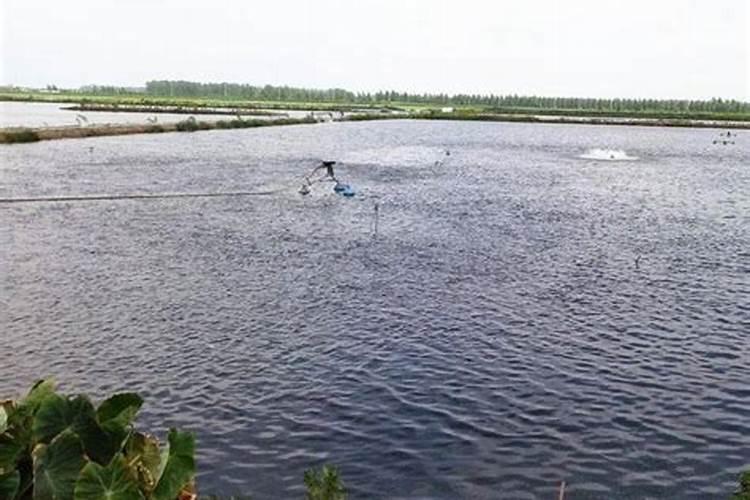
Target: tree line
x=180, y=88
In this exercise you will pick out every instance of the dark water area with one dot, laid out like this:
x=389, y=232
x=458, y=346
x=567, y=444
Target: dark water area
x=522, y=316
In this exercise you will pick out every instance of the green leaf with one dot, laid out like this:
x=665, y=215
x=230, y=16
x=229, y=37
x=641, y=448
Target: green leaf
x=11, y=447
x=38, y=393
x=144, y=460
x=743, y=491
x=100, y=444
x=120, y=409
x=56, y=467
x=53, y=417
x=56, y=414
x=9, y=485
x=163, y=459
x=106, y=483
x=180, y=465
x=16, y=441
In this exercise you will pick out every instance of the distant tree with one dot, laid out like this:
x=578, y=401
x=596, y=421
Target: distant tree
x=506, y=102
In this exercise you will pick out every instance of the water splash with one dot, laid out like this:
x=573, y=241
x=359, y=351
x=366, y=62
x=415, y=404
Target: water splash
x=607, y=155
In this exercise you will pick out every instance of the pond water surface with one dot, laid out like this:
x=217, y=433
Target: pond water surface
x=522, y=315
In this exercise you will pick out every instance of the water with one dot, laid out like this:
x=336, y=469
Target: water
x=27, y=114
x=607, y=155
x=496, y=337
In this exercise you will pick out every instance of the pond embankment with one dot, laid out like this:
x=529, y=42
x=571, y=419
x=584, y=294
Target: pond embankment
x=22, y=135
x=25, y=134
x=179, y=110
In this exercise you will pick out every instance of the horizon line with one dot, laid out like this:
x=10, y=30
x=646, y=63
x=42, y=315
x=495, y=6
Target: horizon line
x=143, y=88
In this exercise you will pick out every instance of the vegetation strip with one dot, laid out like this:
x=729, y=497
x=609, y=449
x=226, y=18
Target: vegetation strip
x=586, y=120
x=21, y=135
x=144, y=100
x=242, y=96
x=178, y=110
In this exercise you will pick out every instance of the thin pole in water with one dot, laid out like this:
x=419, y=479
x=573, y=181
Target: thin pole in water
x=561, y=496
x=377, y=218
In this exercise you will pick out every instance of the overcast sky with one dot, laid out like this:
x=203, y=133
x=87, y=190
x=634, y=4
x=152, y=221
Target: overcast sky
x=601, y=48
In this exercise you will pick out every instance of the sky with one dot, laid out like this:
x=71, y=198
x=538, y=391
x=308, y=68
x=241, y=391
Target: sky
x=688, y=49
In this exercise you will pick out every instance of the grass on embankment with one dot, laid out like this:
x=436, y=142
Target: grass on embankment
x=612, y=113
x=196, y=102
x=21, y=135
x=145, y=100
x=18, y=136
x=177, y=110
x=584, y=120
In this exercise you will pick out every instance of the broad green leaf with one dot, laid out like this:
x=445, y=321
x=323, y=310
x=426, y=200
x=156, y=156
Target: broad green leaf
x=20, y=417
x=100, y=444
x=163, y=460
x=144, y=460
x=38, y=393
x=11, y=447
x=53, y=417
x=56, y=467
x=180, y=466
x=106, y=483
x=120, y=409
x=56, y=414
x=9, y=484
x=16, y=437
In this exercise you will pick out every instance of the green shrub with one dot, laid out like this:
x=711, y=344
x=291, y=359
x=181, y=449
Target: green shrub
x=743, y=491
x=189, y=125
x=324, y=484
x=13, y=136
x=62, y=447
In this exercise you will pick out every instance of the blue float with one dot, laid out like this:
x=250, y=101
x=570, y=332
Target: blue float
x=343, y=189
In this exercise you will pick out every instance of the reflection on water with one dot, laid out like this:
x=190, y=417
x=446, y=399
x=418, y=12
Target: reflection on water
x=496, y=335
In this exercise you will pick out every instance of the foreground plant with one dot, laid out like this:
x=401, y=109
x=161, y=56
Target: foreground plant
x=743, y=491
x=324, y=484
x=62, y=447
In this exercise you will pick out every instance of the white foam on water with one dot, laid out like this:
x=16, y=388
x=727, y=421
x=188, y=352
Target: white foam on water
x=607, y=155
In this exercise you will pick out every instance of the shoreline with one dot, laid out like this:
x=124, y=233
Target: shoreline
x=20, y=135
x=188, y=102
x=16, y=135
x=591, y=120
x=176, y=110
